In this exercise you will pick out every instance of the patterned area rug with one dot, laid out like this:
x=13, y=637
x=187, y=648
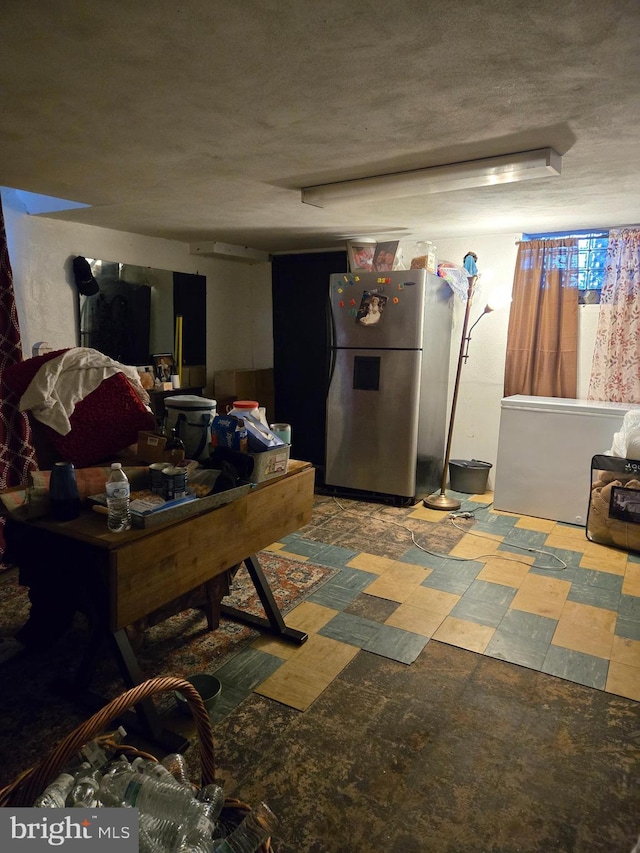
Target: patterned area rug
x=35, y=717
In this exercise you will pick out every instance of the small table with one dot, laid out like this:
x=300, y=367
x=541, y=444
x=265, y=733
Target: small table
x=127, y=576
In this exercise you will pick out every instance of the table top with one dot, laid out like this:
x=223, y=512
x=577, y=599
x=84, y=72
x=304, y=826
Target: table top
x=91, y=526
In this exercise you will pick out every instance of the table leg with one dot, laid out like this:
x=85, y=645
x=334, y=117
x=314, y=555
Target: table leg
x=274, y=623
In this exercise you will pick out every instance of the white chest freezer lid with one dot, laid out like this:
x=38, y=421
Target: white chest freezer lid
x=566, y=405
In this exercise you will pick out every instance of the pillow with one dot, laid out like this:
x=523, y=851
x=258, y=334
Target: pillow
x=103, y=424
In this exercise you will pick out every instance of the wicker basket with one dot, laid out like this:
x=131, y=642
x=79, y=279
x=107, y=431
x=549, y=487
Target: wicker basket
x=24, y=790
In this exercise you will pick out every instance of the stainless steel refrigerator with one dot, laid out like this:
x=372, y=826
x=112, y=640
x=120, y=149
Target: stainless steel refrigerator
x=389, y=370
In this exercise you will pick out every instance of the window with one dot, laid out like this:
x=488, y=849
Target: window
x=592, y=258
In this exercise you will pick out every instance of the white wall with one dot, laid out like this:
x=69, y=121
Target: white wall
x=477, y=419
x=239, y=309
x=239, y=330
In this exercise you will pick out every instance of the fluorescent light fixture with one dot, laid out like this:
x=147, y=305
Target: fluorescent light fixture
x=523, y=166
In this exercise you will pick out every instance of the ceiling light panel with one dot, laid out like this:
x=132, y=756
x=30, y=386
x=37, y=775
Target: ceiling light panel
x=522, y=166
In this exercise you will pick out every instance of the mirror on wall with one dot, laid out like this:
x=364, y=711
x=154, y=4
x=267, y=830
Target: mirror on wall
x=133, y=314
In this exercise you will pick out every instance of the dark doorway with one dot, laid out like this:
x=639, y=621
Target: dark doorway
x=300, y=286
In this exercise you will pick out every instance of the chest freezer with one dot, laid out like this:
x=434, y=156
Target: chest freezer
x=545, y=445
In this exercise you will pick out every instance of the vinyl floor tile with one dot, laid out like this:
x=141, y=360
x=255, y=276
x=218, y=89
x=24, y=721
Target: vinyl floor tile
x=499, y=525
x=630, y=607
x=567, y=607
x=538, y=629
x=477, y=547
x=392, y=588
x=333, y=595
x=556, y=562
x=347, y=628
x=298, y=682
x=448, y=582
x=373, y=563
x=525, y=537
x=396, y=644
x=492, y=593
x=626, y=651
x=416, y=620
x=433, y=600
x=561, y=539
x=464, y=634
x=623, y=680
x=542, y=595
x=600, y=580
x=608, y=599
x=584, y=628
x=629, y=628
x=481, y=612
x=631, y=583
x=517, y=649
x=542, y=525
x=576, y=666
x=604, y=559
x=248, y=668
x=504, y=571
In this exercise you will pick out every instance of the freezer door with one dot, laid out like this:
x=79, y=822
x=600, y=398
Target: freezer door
x=379, y=310
x=372, y=421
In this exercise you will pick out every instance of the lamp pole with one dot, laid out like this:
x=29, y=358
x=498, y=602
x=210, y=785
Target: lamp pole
x=440, y=500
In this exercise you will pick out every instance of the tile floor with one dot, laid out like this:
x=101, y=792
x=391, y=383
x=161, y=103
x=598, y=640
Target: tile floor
x=525, y=590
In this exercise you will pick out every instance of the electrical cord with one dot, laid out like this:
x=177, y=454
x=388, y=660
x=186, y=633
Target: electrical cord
x=468, y=515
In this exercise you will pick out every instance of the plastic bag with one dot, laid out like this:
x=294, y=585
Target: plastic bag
x=626, y=443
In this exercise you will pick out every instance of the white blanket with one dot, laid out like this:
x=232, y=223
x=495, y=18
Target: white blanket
x=64, y=381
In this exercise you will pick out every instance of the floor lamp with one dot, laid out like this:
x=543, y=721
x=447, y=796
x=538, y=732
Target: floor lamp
x=440, y=500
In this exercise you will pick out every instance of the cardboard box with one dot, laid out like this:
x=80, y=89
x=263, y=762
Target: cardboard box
x=270, y=463
x=232, y=385
x=151, y=448
x=194, y=376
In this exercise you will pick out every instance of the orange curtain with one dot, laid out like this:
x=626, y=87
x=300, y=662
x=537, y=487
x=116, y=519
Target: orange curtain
x=542, y=341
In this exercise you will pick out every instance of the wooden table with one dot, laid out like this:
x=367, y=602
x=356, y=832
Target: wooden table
x=127, y=576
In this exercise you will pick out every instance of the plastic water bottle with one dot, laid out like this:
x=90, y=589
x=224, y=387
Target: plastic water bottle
x=118, y=499
x=178, y=813
x=55, y=794
x=84, y=793
x=212, y=796
x=254, y=830
x=176, y=766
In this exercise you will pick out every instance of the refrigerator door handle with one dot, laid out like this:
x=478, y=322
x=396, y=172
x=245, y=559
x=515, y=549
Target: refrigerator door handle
x=331, y=349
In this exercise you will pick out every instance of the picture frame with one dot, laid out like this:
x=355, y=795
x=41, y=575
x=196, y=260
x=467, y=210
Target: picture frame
x=361, y=255
x=384, y=258
x=163, y=366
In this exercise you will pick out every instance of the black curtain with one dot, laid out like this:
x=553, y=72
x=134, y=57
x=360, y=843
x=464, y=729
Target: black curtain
x=300, y=290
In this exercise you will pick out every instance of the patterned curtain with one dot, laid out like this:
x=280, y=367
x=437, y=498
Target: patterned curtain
x=542, y=340
x=615, y=368
x=17, y=457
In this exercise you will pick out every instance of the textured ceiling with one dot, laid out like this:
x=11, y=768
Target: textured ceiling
x=201, y=120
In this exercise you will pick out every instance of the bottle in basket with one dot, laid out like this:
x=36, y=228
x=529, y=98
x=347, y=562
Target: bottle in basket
x=118, y=499
x=172, y=805
x=84, y=794
x=254, y=830
x=55, y=795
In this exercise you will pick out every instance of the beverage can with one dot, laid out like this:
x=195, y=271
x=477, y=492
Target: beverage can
x=174, y=483
x=155, y=472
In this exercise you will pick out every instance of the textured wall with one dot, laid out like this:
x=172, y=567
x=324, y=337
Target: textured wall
x=239, y=333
